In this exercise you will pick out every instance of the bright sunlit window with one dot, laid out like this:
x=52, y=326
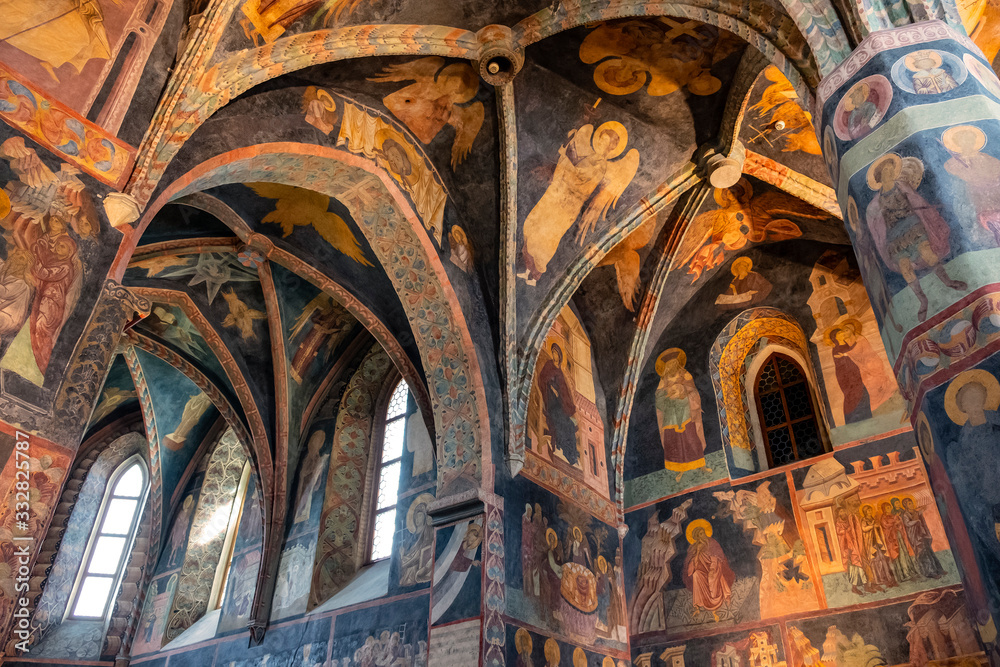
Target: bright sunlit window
x=383, y=525
x=111, y=540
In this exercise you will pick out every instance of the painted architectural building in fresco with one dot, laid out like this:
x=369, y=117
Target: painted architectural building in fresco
x=420, y=333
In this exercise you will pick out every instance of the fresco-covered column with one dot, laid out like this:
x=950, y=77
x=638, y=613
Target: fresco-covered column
x=910, y=127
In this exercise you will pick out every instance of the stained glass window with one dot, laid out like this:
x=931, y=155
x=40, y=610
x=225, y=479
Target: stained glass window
x=386, y=495
x=787, y=416
x=111, y=541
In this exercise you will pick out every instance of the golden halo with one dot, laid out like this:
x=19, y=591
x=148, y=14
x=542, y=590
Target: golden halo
x=577, y=533
x=619, y=131
x=869, y=506
x=661, y=361
x=849, y=97
x=697, y=523
x=327, y=100
x=579, y=657
x=952, y=133
x=602, y=564
x=926, y=443
x=742, y=261
x=978, y=376
x=608, y=661
x=853, y=217
x=4, y=204
x=934, y=57
x=876, y=168
x=550, y=537
x=562, y=351
x=522, y=641
x=552, y=652
x=424, y=499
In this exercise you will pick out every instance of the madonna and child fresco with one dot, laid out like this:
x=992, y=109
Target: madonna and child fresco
x=679, y=415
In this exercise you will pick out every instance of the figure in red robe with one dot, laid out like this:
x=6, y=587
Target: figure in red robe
x=707, y=573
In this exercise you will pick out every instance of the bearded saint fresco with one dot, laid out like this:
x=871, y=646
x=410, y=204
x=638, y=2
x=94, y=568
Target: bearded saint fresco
x=586, y=184
x=678, y=415
x=706, y=570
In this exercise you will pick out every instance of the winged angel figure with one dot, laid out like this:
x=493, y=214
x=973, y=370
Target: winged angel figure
x=740, y=219
x=40, y=278
x=586, y=184
x=298, y=207
x=437, y=97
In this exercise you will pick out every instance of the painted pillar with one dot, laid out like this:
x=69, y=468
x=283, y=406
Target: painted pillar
x=910, y=128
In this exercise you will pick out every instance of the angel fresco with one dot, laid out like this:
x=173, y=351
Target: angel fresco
x=41, y=278
x=909, y=233
x=627, y=262
x=783, y=117
x=587, y=182
x=241, y=316
x=669, y=54
x=978, y=171
x=742, y=218
x=298, y=207
x=56, y=32
x=439, y=95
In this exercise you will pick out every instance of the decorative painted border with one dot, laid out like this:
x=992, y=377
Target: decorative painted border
x=544, y=474
x=24, y=108
x=494, y=600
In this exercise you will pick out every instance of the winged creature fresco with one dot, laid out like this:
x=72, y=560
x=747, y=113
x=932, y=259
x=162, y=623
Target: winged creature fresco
x=669, y=54
x=213, y=270
x=741, y=218
x=41, y=277
x=322, y=320
x=266, y=20
x=627, y=262
x=298, y=207
x=587, y=182
x=241, y=315
x=782, y=120
x=439, y=95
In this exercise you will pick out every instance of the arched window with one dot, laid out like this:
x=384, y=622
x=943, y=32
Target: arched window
x=788, y=416
x=387, y=493
x=111, y=540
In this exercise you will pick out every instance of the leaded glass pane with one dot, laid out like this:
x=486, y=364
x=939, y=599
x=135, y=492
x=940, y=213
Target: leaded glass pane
x=388, y=485
x=382, y=534
x=118, y=518
x=397, y=404
x=392, y=444
x=130, y=484
x=93, y=597
x=107, y=554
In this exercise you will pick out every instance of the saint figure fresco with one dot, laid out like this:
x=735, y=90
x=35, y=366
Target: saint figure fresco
x=979, y=172
x=439, y=95
x=310, y=475
x=417, y=556
x=909, y=233
x=322, y=320
x=748, y=288
x=929, y=77
x=862, y=108
x=461, y=250
x=320, y=109
x=706, y=570
x=587, y=182
x=679, y=415
x=972, y=401
x=861, y=372
x=558, y=406
x=897, y=544
x=178, y=534
x=625, y=258
x=195, y=407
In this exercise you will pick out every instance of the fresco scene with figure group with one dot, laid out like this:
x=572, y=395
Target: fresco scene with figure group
x=419, y=334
